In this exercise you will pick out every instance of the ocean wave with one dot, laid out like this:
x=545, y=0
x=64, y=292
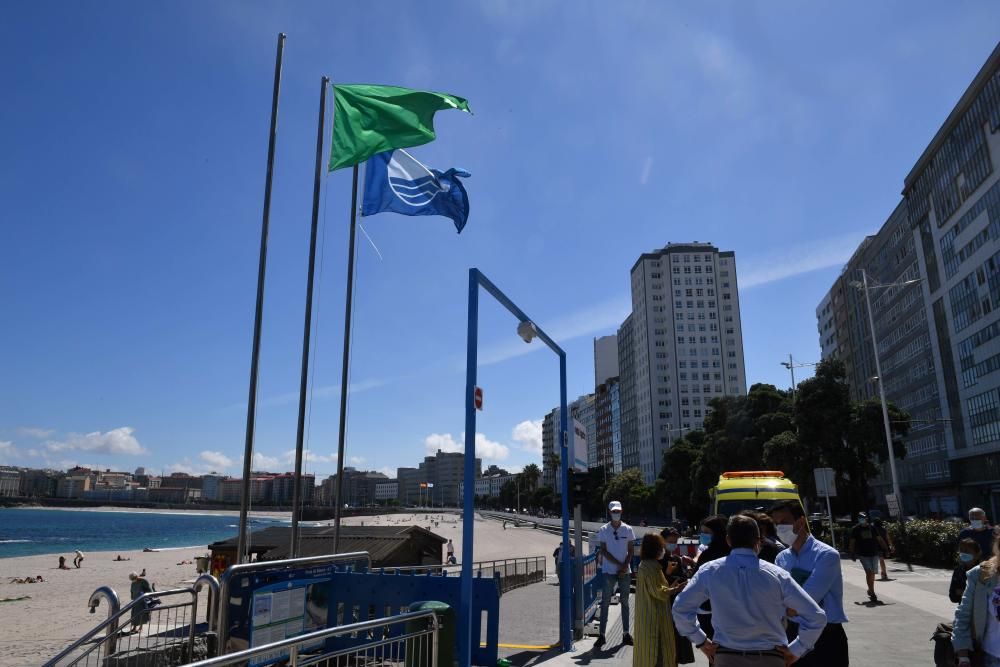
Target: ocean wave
x=15, y=541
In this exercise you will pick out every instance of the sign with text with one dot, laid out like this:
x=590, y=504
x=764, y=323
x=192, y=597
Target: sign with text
x=826, y=485
x=893, y=502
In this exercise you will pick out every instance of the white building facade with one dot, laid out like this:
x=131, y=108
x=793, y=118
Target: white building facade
x=687, y=341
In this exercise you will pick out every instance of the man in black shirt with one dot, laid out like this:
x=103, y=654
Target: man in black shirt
x=979, y=529
x=867, y=544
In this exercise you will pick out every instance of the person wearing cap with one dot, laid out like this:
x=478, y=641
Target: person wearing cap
x=867, y=544
x=615, y=543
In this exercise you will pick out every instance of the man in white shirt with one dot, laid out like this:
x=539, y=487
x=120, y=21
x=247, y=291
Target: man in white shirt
x=616, y=541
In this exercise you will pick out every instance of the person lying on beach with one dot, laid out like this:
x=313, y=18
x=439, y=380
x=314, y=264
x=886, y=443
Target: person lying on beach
x=186, y=562
x=119, y=558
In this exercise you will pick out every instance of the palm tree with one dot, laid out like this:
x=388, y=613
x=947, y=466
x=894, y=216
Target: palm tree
x=530, y=474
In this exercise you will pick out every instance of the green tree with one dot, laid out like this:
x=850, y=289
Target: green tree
x=676, y=485
x=629, y=489
x=530, y=476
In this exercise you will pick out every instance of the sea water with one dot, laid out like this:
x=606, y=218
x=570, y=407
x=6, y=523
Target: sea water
x=29, y=532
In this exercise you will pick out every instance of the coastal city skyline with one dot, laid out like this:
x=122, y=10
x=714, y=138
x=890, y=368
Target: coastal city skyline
x=133, y=319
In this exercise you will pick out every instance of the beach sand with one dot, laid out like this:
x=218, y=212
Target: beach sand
x=36, y=629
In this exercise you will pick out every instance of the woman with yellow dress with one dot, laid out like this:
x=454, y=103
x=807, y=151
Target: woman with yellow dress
x=654, y=627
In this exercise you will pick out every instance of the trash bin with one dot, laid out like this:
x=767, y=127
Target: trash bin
x=447, y=633
x=201, y=564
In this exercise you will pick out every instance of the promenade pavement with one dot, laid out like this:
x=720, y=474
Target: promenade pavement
x=894, y=633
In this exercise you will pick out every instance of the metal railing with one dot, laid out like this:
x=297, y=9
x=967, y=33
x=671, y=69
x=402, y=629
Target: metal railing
x=225, y=581
x=511, y=572
x=416, y=645
x=153, y=625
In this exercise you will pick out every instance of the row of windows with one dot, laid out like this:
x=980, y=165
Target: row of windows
x=679, y=305
x=697, y=281
x=966, y=305
x=984, y=416
x=919, y=319
x=989, y=365
x=693, y=292
x=925, y=445
x=989, y=202
x=962, y=163
x=687, y=269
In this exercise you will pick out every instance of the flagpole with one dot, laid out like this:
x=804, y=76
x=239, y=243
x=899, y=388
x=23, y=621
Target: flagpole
x=259, y=313
x=307, y=327
x=338, y=495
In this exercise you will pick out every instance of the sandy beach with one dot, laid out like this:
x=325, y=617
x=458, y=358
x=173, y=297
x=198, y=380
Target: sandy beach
x=54, y=612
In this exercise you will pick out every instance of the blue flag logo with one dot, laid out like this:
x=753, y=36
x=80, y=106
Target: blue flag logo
x=395, y=181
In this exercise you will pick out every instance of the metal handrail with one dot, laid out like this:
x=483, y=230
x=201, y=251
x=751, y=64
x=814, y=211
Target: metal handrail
x=293, y=643
x=116, y=612
x=222, y=625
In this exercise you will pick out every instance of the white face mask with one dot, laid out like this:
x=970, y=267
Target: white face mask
x=671, y=546
x=616, y=516
x=977, y=524
x=786, y=533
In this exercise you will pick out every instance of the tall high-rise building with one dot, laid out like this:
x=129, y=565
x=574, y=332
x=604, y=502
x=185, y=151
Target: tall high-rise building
x=608, y=410
x=629, y=417
x=605, y=359
x=953, y=202
x=687, y=340
x=938, y=341
x=910, y=364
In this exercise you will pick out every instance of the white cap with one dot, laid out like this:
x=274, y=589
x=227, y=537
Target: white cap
x=614, y=506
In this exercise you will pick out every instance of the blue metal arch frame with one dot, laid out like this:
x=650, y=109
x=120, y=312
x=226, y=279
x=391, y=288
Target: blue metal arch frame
x=477, y=280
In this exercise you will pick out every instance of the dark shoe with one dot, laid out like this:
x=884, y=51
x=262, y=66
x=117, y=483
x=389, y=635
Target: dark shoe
x=600, y=642
x=627, y=639
x=872, y=597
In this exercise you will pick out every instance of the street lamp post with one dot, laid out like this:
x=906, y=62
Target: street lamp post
x=864, y=286
x=527, y=330
x=791, y=366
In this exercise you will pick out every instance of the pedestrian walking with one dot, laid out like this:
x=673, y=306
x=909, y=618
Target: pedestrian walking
x=969, y=556
x=78, y=559
x=654, y=627
x=880, y=527
x=138, y=587
x=977, y=625
x=815, y=566
x=749, y=598
x=979, y=529
x=616, y=543
x=865, y=545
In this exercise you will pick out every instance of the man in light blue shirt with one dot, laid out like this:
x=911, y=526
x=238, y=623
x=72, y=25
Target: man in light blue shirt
x=816, y=567
x=749, y=602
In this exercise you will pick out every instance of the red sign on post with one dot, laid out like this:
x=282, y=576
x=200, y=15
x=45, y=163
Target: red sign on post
x=477, y=398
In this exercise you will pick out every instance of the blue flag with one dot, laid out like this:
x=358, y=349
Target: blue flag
x=396, y=182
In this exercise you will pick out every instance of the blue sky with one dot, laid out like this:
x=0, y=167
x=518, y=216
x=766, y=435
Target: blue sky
x=135, y=137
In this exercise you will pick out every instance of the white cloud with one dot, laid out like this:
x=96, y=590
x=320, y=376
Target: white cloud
x=8, y=451
x=33, y=432
x=529, y=434
x=309, y=457
x=216, y=460
x=798, y=259
x=597, y=318
x=356, y=460
x=119, y=441
x=263, y=461
x=486, y=449
x=647, y=168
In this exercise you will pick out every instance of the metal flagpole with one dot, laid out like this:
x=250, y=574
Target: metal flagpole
x=307, y=327
x=345, y=365
x=258, y=316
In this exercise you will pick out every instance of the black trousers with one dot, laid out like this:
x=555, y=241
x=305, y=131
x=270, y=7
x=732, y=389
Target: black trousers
x=830, y=649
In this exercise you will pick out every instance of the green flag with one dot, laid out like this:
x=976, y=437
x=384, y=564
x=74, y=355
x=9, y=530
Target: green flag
x=373, y=119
